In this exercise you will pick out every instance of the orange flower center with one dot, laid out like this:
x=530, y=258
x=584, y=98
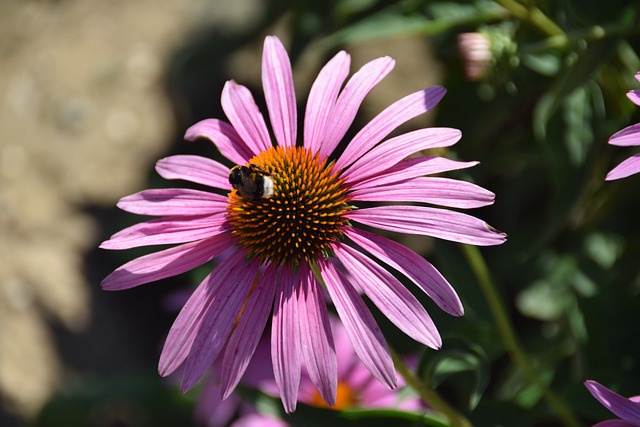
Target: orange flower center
x=345, y=398
x=296, y=219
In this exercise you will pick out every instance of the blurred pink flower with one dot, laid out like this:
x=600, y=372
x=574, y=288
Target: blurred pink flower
x=629, y=136
x=284, y=242
x=627, y=409
x=475, y=50
x=356, y=388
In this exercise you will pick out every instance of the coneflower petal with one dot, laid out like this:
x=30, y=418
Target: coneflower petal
x=196, y=169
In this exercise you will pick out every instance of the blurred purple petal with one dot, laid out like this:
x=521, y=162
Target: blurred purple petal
x=624, y=408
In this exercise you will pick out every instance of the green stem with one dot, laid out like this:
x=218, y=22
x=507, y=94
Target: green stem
x=427, y=395
x=532, y=15
x=508, y=335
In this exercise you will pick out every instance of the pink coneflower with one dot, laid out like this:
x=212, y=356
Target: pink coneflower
x=629, y=136
x=291, y=224
x=357, y=388
x=627, y=409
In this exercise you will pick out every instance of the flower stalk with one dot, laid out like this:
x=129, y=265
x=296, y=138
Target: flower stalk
x=427, y=395
x=508, y=335
x=534, y=16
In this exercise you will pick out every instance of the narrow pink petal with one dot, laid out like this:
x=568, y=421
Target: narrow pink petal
x=627, y=136
x=246, y=118
x=365, y=335
x=279, y=93
x=412, y=265
x=225, y=138
x=322, y=100
x=393, y=150
x=619, y=405
x=167, y=263
x=634, y=96
x=440, y=223
x=316, y=338
x=167, y=230
x=628, y=167
x=184, y=329
x=349, y=100
x=229, y=292
x=411, y=168
x=247, y=333
x=285, y=340
x=196, y=169
x=437, y=191
x=173, y=201
x=390, y=296
x=384, y=123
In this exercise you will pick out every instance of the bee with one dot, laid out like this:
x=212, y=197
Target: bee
x=251, y=182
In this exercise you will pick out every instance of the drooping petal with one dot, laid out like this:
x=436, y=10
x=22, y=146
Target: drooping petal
x=279, y=93
x=173, y=201
x=167, y=263
x=634, y=95
x=247, y=333
x=627, y=136
x=412, y=265
x=228, y=294
x=384, y=123
x=196, y=169
x=624, y=408
x=365, y=335
x=225, y=138
x=349, y=100
x=440, y=223
x=322, y=100
x=184, y=329
x=390, y=296
x=316, y=338
x=628, y=167
x=436, y=191
x=393, y=150
x=411, y=168
x=246, y=118
x=168, y=230
x=285, y=340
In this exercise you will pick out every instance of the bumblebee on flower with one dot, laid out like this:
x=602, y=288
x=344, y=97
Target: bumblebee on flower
x=290, y=223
